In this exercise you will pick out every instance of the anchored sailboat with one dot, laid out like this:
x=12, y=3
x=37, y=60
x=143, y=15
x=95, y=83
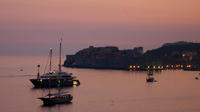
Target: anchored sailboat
x=52, y=99
x=150, y=77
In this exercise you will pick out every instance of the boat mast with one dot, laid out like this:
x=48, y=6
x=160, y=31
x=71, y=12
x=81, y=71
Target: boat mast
x=59, y=66
x=50, y=54
x=49, y=87
x=38, y=74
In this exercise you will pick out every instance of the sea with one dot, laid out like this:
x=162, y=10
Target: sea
x=100, y=90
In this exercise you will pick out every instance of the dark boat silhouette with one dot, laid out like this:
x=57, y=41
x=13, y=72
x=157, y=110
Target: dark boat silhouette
x=64, y=78
x=52, y=99
x=150, y=77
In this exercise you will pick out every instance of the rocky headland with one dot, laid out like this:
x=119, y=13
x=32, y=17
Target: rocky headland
x=184, y=55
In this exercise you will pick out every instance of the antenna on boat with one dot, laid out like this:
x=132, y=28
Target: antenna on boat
x=50, y=55
x=38, y=74
x=59, y=66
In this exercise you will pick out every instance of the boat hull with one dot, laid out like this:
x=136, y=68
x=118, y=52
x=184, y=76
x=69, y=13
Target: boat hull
x=44, y=83
x=150, y=80
x=52, y=101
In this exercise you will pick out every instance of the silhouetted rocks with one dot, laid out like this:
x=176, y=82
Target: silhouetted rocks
x=180, y=53
x=175, y=54
x=104, y=58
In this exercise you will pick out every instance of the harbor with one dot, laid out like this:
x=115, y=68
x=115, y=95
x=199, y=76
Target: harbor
x=99, y=56
x=101, y=90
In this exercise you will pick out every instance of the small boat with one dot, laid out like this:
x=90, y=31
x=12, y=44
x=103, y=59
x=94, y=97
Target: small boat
x=150, y=77
x=65, y=79
x=21, y=70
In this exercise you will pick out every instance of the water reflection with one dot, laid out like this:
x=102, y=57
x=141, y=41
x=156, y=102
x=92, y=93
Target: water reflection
x=56, y=105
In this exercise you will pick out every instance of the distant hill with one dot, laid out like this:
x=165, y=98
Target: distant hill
x=177, y=43
x=175, y=53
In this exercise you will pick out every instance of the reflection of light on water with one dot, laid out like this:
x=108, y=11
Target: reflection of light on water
x=37, y=92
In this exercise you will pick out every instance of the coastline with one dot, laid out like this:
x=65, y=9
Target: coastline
x=179, y=55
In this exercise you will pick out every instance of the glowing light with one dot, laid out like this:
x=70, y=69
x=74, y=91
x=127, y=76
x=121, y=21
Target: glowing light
x=138, y=66
x=75, y=83
x=134, y=66
x=183, y=55
x=148, y=67
x=40, y=80
x=130, y=66
x=181, y=66
x=37, y=92
x=172, y=66
x=158, y=66
x=167, y=66
x=154, y=66
x=58, y=81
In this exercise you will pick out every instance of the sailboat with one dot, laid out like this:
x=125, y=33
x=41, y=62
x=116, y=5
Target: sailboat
x=52, y=99
x=58, y=98
x=150, y=77
x=64, y=78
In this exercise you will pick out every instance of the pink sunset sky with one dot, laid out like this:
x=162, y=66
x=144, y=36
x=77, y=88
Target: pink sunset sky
x=31, y=27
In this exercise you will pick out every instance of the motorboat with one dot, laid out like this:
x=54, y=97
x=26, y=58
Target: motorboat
x=65, y=78
x=150, y=77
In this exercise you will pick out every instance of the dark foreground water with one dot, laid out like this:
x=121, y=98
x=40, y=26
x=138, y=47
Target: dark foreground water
x=100, y=90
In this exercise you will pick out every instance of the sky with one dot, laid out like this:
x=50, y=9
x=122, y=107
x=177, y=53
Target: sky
x=31, y=27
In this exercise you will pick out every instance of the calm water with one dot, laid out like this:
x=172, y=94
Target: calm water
x=100, y=90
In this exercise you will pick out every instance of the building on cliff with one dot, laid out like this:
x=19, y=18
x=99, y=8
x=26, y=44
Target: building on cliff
x=182, y=54
x=109, y=57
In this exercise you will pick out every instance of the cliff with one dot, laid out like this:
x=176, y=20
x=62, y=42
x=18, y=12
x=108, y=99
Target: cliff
x=188, y=53
x=104, y=58
x=111, y=57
